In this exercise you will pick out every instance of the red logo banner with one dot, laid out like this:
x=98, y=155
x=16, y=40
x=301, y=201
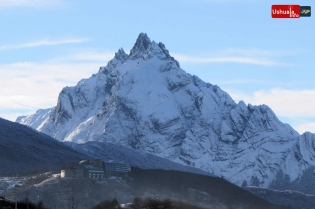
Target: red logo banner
x=285, y=11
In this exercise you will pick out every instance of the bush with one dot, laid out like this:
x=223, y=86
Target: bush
x=21, y=205
x=149, y=203
x=185, y=205
x=107, y=204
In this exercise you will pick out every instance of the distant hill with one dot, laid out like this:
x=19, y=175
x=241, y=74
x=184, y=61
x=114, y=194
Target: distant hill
x=23, y=149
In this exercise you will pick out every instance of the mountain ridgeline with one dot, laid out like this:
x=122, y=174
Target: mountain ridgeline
x=24, y=150
x=145, y=101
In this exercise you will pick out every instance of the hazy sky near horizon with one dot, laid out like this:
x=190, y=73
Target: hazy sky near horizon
x=46, y=45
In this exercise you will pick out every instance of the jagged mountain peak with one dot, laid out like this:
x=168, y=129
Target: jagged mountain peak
x=141, y=45
x=121, y=55
x=119, y=58
x=143, y=50
x=145, y=101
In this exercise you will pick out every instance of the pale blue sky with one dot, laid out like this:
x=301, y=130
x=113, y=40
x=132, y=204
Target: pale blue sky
x=48, y=44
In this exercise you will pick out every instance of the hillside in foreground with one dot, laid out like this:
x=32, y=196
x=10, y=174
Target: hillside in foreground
x=199, y=190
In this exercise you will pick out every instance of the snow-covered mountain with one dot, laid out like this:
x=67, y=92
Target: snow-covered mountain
x=145, y=101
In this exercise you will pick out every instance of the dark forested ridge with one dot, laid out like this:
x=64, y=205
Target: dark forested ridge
x=25, y=204
x=193, y=189
x=181, y=183
x=147, y=203
x=23, y=149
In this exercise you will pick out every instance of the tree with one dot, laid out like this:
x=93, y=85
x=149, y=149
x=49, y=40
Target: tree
x=137, y=202
x=107, y=204
x=40, y=205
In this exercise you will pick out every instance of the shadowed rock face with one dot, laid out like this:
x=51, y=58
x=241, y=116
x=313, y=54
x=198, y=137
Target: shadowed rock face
x=141, y=45
x=23, y=149
x=145, y=101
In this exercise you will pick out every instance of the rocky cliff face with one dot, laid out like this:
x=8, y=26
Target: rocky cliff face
x=145, y=101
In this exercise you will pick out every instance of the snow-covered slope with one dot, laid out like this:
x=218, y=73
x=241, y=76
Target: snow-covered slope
x=109, y=151
x=145, y=101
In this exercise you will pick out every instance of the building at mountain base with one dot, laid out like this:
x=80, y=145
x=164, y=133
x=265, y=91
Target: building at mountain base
x=96, y=169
